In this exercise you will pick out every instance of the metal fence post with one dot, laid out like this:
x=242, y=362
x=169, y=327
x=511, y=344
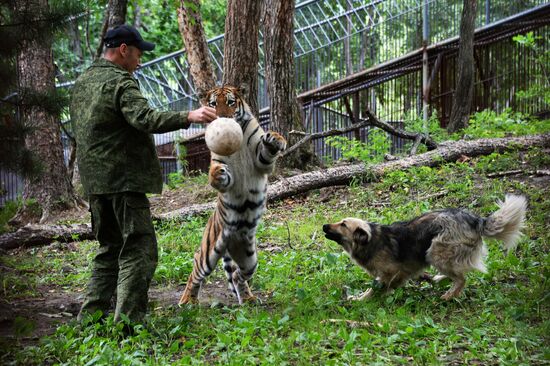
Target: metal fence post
x=425, y=68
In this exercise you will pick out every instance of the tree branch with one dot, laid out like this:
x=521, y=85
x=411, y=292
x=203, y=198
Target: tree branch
x=426, y=140
x=338, y=131
x=371, y=121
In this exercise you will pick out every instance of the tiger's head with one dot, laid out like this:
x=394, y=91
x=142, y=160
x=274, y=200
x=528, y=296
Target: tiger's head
x=228, y=102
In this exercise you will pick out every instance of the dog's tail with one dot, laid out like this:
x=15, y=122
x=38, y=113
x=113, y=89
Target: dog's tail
x=506, y=223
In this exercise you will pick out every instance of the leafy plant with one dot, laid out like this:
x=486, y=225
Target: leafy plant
x=415, y=123
x=6, y=213
x=540, y=89
x=371, y=152
x=489, y=124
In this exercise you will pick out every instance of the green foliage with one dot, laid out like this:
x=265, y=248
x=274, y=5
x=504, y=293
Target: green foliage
x=175, y=179
x=176, y=254
x=179, y=180
x=156, y=20
x=484, y=124
x=490, y=124
x=541, y=88
x=23, y=327
x=182, y=157
x=415, y=123
x=55, y=265
x=6, y=213
x=213, y=14
x=371, y=152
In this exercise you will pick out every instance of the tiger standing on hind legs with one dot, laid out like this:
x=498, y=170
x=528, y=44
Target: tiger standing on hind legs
x=241, y=180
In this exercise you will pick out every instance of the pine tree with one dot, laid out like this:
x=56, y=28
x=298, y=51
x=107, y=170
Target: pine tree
x=30, y=108
x=13, y=154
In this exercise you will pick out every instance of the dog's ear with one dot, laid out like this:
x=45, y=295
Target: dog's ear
x=360, y=237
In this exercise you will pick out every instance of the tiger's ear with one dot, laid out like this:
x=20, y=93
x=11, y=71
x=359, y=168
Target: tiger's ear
x=203, y=96
x=243, y=89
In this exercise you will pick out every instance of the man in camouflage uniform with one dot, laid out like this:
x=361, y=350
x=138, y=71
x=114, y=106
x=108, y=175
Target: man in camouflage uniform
x=118, y=165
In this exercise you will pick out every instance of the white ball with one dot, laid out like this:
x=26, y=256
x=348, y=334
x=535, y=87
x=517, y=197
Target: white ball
x=223, y=136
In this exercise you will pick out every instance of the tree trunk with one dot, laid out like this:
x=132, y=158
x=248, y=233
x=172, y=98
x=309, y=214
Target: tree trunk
x=464, y=90
x=354, y=115
x=36, y=235
x=51, y=189
x=115, y=14
x=194, y=39
x=301, y=183
x=76, y=49
x=75, y=44
x=240, y=63
x=279, y=70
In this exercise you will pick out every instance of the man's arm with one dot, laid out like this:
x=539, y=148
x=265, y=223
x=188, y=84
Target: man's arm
x=139, y=114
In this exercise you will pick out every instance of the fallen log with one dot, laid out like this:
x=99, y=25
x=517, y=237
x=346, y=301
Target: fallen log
x=446, y=152
x=519, y=171
x=301, y=183
x=34, y=235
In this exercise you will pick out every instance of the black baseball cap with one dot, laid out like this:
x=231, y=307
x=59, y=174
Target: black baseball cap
x=126, y=34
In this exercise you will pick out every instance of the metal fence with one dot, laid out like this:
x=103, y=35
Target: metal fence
x=334, y=39
x=372, y=50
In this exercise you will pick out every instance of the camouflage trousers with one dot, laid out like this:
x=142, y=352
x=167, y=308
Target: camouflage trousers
x=127, y=256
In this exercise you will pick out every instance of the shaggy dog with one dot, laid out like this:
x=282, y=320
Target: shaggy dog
x=449, y=239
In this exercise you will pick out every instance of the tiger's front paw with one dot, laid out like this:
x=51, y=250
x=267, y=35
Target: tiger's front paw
x=219, y=176
x=274, y=142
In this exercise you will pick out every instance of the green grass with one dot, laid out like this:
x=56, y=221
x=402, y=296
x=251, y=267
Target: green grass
x=6, y=213
x=501, y=319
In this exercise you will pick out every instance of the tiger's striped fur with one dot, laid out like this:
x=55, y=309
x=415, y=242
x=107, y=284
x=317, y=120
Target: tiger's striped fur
x=241, y=180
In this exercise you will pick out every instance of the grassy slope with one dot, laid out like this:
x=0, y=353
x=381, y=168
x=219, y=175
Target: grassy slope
x=502, y=318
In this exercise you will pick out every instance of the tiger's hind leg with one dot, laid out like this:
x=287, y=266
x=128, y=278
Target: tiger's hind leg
x=205, y=261
x=202, y=267
x=229, y=267
x=244, y=255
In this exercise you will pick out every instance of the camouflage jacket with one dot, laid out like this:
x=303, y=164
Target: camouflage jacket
x=112, y=123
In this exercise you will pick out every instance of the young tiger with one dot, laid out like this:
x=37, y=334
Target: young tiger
x=241, y=180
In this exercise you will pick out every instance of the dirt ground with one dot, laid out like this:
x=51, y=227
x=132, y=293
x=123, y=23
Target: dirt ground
x=42, y=315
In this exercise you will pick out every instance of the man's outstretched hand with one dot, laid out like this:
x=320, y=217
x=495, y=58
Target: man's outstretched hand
x=203, y=115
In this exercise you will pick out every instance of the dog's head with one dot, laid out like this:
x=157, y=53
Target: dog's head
x=350, y=233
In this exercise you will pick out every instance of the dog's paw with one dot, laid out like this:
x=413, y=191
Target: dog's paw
x=363, y=296
x=450, y=294
x=274, y=142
